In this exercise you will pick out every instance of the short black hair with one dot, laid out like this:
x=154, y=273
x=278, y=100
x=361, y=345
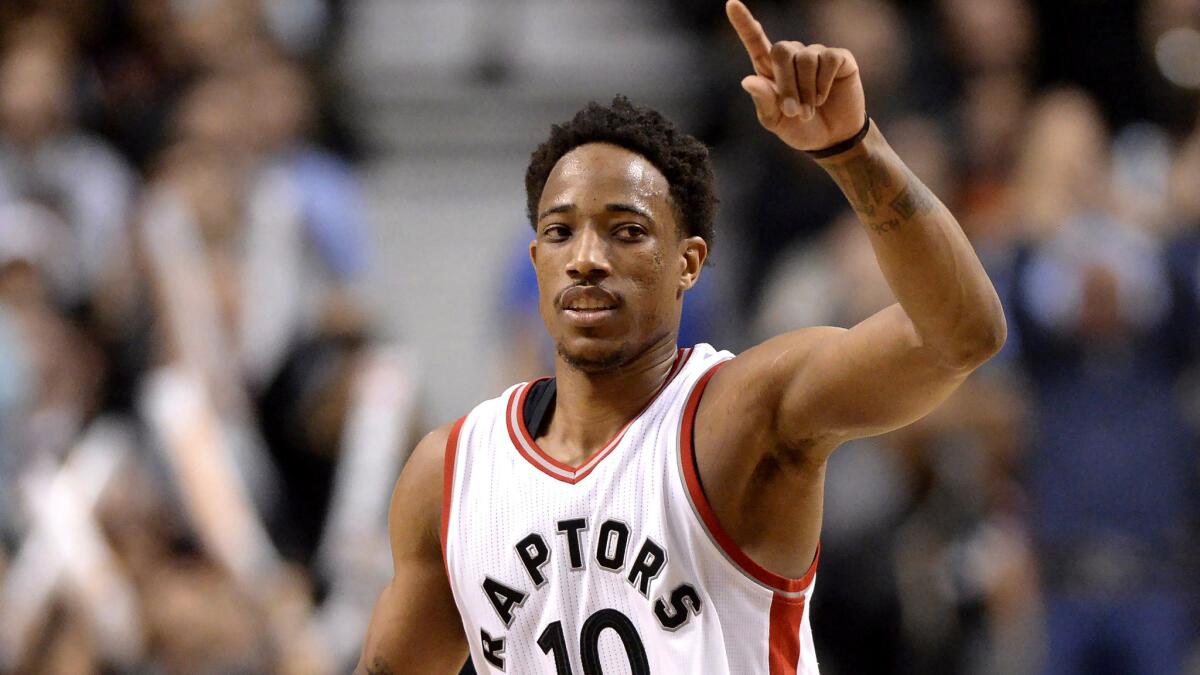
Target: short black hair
x=682, y=159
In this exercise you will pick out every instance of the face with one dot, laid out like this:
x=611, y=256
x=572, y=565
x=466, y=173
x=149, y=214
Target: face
x=33, y=92
x=282, y=106
x=612, y=264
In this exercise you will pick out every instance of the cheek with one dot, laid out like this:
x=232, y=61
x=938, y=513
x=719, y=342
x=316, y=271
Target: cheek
x=545, y=286
x=651, y=280
x=659, y=261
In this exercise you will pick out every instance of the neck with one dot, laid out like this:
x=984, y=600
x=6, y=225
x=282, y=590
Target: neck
x=591, y=408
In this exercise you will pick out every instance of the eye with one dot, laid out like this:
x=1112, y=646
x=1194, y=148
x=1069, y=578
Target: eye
x=556, y=232
x=630, y=232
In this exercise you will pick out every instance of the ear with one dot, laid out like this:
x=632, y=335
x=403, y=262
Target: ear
x=693, y=251
x=533, y=251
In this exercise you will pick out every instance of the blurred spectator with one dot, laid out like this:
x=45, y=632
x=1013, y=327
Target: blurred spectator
x=283, y=107
x=1112, y=469
x=988, y=36
x=992, y=120
x=47, y=162
x=251, y=239
x=281, y=227
x=1184, y=199
x=53, y=370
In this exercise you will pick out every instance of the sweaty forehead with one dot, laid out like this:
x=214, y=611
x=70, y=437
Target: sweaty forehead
x=596, y=174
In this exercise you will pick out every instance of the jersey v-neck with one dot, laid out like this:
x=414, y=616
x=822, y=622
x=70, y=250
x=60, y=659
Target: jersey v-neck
x=531, y=406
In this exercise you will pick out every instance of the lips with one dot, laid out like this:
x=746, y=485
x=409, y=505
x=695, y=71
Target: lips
x=587, y=306
x=587, y=299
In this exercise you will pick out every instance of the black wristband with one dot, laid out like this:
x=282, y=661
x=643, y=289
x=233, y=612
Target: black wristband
x=838, y=148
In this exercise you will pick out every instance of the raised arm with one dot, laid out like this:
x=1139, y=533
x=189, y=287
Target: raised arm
x=821, y=386
x=415, y=627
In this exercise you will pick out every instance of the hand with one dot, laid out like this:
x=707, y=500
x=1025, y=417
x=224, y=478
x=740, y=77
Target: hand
x=809, y=96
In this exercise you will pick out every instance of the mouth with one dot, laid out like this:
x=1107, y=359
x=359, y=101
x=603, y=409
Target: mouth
x=589, y=317
x=588, y=305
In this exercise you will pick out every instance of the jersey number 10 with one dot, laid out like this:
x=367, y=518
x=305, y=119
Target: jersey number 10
x=552, y=641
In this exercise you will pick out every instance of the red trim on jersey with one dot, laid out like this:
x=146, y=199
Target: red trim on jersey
x=523, y=441
x=520, y=416
x=783, y=645
x=687, y=450
x=448, y=484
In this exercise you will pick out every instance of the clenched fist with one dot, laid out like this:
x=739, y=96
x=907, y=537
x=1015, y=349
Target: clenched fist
x=810, y=96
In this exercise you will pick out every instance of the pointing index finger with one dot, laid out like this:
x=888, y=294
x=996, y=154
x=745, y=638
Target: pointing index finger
x=753, y=38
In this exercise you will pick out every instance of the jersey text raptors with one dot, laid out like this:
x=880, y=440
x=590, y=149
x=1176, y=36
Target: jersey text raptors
x=615, y=566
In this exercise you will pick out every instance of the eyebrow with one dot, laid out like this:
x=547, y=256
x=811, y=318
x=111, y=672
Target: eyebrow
x=627, y=208
x=610, y=208
x=561, y=208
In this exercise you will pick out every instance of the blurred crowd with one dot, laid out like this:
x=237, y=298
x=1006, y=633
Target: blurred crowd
x=200, y=426
x=188, y=383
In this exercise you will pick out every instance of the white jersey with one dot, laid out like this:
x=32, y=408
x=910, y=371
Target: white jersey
x=615, y=566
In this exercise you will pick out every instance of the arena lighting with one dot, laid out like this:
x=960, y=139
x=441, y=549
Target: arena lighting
x=1178, y=55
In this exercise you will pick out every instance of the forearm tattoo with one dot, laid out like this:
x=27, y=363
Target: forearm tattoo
x=913, y=199
x=869, y=185
x=865, y=180
x=885, y=226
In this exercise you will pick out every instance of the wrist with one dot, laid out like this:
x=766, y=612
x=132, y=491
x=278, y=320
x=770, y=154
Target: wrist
x=869, y=174
x=873, y=143
x=844, y=145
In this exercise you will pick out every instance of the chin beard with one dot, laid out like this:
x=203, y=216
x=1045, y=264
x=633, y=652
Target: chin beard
x=594, y=364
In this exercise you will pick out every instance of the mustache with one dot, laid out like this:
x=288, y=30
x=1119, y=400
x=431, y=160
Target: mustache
x=594, y=290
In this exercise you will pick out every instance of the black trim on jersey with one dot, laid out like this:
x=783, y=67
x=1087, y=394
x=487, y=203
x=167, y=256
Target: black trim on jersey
x=539, y=406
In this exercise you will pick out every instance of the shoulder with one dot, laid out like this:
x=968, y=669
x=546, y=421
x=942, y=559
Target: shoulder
x=742, y=403
x=427, y=458
x=419, y=489
x=765, y=369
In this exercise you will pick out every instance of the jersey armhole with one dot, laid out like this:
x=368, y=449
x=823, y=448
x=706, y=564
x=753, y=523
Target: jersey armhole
x=690, y=468
x=448, y=485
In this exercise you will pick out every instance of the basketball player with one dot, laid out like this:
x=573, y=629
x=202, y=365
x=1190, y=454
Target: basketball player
x=654, y=509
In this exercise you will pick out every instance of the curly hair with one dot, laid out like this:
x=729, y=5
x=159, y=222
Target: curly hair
x=681, y=158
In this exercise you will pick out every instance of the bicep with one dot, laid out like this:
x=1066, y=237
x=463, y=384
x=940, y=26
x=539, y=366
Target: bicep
x=831, y=384
x=415, y=627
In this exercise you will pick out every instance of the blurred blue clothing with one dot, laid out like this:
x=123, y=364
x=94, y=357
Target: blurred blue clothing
x=1183, y=260
x=1105, y=325
x=333, y=210
x=1113, y=466
x=1137, y=634
x=16, y=393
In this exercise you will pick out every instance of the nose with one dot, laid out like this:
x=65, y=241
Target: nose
x=589, y=258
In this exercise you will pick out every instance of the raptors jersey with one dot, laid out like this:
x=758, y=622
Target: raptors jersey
x=615, y=566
